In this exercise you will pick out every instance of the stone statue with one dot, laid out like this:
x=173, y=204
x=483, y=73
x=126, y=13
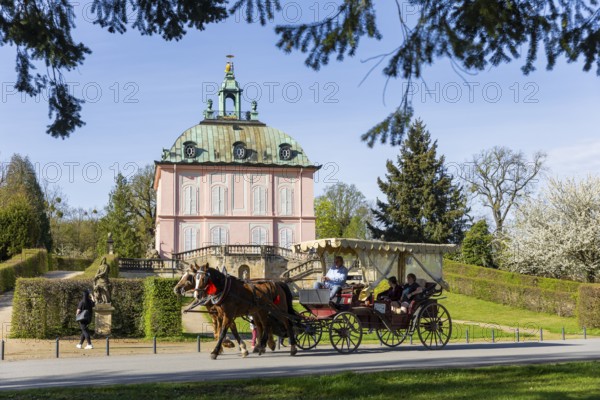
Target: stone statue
x=254, y=105
x=102, y=285
x=209, y=105
x=152, y=254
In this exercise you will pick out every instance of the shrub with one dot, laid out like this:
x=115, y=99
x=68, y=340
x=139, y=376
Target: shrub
x=60, y=263
x=530, y=298
x=31, y=262
x=588, y=308
x=45, y=308
x=162, y=308
x=477, y=245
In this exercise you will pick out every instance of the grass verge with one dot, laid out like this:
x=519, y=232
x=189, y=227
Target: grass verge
x=552, y=381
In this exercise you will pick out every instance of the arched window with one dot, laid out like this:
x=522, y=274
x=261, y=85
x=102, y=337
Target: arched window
x=244, y=272
x=286, y=205
x=218, y=235
x=218, y=200
x=259, y=235
x=259, y=200
x=286, y=237
x=190, y=200
x=189, y=239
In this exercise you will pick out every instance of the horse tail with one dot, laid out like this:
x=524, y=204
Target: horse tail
x=288, y=296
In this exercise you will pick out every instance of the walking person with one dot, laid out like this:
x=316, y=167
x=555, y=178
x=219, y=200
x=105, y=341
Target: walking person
x=84, y=317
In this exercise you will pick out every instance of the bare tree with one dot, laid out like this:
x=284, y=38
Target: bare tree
x=501, y=178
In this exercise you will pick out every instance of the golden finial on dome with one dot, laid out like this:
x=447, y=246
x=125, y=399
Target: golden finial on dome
x=229, y=65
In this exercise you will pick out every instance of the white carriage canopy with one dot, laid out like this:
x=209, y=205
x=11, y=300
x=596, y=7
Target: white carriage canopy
x=378, y=260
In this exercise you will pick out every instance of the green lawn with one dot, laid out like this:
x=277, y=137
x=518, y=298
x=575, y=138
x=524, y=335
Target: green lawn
x=467, y=308
x=552, y=381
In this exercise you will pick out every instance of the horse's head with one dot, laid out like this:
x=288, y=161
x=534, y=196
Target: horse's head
x=209, y=280
x=186, y=283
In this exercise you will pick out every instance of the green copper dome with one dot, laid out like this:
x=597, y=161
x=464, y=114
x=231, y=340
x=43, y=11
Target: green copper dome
x=236, y=142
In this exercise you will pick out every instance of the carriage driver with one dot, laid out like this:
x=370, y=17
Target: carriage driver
x=335, y=278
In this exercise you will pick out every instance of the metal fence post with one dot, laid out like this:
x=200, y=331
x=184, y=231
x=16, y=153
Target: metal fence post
x=57, y=346
x=584, y=333
x=563, y=333
x=198, y=343
x=541, y=334
x=410, y=339
x=518, y=336
x=2, y=350
x=154, y=344
x=467, y=334
x=493, y=337
x=108, y=346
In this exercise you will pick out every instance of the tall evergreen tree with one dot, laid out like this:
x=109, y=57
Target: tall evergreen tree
x=20, y=180
x=120, y=222
x=423, y=205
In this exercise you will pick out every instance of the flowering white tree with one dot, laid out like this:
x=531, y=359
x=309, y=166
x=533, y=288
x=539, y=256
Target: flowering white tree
x=558, y=234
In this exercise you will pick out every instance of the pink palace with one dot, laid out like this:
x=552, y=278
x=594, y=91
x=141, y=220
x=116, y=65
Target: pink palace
x=232, y=179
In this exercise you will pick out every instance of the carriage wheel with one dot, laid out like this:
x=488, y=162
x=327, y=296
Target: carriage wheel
x=345, y=332
x=391, y=338
x=434, y=326
x=308, y=331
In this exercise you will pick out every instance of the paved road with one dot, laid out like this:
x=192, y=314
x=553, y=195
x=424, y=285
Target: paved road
x=198, y=367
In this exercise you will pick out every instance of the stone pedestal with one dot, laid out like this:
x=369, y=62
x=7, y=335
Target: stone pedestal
x=103, y=320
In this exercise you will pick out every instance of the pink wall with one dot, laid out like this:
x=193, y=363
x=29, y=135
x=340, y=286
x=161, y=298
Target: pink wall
x=200, y=205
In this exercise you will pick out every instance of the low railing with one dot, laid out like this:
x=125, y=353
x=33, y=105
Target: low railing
x=307, y=268
x=242, y=249
x=137, y=264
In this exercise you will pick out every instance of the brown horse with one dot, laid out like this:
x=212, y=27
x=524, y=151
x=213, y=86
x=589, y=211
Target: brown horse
x=269, y=303
x=187, y=284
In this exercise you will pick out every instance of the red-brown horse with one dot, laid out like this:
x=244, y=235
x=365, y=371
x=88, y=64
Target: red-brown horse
x=269, y=303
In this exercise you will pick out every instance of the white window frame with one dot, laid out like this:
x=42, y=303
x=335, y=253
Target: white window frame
x=259, y=200
x=223, y=235
x=286, y=201
x=288, y=240
x=218, y=207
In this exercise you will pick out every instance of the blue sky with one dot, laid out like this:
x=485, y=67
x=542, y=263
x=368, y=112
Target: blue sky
x=143, y=92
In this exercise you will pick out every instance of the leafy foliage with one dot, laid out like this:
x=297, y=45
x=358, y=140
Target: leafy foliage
x=44, y=308
x=477, y=245
x=162, y=309
x=423, y=205
x=558, y=234
x=342, y=211
x=31, y=262
x=587, y=311
x=473, y=35
x=23, y=218
x=130, y=215
x=502, y=178
x=532, y=293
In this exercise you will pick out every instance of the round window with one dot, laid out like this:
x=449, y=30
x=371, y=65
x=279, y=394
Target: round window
x=239, y=152
x=285, y=153
x=190, y=151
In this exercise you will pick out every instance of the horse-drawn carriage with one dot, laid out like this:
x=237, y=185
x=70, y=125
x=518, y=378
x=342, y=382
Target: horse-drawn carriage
x=346, y=318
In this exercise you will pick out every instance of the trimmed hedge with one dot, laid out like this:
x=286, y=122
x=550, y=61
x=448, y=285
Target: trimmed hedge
x=527, y=297
x=44, y=308
x=60, y=263
x=31, y=262
x=162, y=308
x=511, y=278
x=588, y=311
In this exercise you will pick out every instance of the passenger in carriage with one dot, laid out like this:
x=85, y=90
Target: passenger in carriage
x=411, y=288
x=394, y=293
x=335, y=278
